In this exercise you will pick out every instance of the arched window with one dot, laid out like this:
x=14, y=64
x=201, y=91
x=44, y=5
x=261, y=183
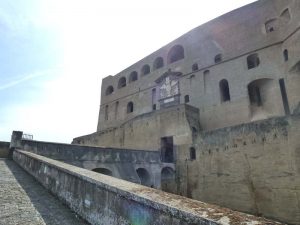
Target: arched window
x=158, y=63
x=103, y=171
x=145, y=69
x=224, y=90
x=195, y=67
x=133, y=76
x=218, y=58
x=176, y=53
x=192, y=153
x=286, y=55
x=144, y=176
x=186, y=99
x=130, y=107
x=122, y=82
x=109, y=90
x=253, y=61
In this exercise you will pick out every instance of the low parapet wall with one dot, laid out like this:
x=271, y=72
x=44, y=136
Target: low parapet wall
x=120, y=163
x=106, y=200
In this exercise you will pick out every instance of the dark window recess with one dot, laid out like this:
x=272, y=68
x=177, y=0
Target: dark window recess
x=167, y=150
x=176, y=53
x=109, y=90
x=133, y=76
x=154, y=107
x=158, y=63
x=224, y=90
x=195, y=67
x=192, y=153
x=130, y=107
x=254, y=95
x=186, y=99
x=253, y=61
x=122, y=82
x=145, y=70
x=218, y=58
x=284, y=97
x=286, y=55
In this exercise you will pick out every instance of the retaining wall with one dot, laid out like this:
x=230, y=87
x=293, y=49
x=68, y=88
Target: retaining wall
x=104, y=200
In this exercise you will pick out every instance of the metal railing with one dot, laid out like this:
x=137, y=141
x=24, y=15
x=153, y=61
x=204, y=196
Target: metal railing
x=27, y=136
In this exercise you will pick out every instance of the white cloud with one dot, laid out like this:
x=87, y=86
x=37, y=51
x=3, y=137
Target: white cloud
x=24, y=78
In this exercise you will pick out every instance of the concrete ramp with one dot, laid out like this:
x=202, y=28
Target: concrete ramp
x=25, y=201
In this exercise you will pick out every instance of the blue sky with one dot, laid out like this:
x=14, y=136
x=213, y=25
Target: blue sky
x=54, y=53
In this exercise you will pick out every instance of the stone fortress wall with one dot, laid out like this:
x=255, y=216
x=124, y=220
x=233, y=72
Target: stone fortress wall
x=252, y=167
x=222, y=49
x=138, y=166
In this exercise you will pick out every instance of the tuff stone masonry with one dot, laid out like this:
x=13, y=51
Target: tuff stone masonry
x=221, y=103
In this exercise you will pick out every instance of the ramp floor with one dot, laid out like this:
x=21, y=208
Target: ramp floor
x=24, y=201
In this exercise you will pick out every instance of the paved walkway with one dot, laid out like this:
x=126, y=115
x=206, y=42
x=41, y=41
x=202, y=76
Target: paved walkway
x=23, y=201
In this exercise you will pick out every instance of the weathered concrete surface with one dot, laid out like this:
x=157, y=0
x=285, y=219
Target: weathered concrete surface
x=107, y=200
x=4, y=149
x=24, y=201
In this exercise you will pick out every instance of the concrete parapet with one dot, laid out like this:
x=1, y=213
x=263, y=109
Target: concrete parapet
x=101, y=199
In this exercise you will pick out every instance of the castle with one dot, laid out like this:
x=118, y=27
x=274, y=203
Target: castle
x=221, y=103
x=235, y=69
x=221, y=107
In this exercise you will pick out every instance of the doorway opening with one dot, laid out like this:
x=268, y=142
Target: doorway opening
x=167, y=150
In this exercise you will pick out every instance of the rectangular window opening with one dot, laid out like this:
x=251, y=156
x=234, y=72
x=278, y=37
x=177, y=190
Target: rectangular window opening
x=284, y=97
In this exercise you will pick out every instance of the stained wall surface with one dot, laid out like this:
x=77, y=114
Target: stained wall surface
x=238, y=109
x=120, y=163
x=251, y=167
x=268, y=29
x=146, y=131
x=103, y=200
